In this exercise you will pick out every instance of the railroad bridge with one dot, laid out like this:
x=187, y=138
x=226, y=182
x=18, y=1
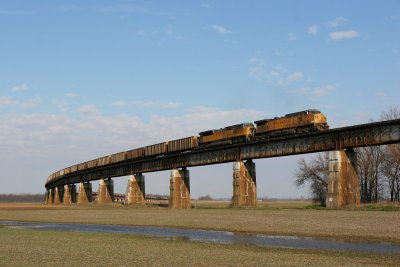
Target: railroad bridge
x=340, y=142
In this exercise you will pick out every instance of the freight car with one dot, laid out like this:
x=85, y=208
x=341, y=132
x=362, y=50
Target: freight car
x=82, y=166
x=67, y=170
x=103, y=161
x=135, y=153
x=156, y=150
x=91, y=163
x=231, y=134
x=74, y=168
x=118, y=157
x=298, y=122
x=183, y=144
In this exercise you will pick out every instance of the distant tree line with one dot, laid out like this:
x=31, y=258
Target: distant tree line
x=21, y=198
x=206, y=197
x=378, y=171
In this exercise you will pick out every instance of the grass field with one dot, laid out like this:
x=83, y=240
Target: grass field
x=26, y=247
x=48, y=248
x=352, y=225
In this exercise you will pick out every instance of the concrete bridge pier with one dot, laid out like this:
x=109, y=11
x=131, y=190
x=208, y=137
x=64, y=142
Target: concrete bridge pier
x=58, y=195
x=85, y=193
x=135, y=191
x=244, y=184
x=69, y=194
x=179, y=197
x=47, y=197
x=105, y=195
x=50, y=198
x=343, y=179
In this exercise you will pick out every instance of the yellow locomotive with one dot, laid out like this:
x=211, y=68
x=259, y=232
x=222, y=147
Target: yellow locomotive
x=231, y=134
x=298, y=122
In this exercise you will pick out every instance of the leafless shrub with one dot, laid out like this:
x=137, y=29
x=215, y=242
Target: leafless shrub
x=316, y=174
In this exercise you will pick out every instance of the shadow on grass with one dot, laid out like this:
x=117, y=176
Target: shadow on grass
x=380, y=207
x=363, y=207
x=315, y=207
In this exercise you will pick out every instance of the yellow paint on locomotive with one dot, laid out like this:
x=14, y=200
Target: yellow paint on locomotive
x=284, y=123
x=225, y=134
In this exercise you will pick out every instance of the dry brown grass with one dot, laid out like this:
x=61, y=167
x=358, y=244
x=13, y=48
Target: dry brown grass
x=357, y=225
x=51, y=248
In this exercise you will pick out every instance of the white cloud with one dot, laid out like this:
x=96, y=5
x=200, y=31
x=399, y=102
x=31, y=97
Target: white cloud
x=278, y=53
x=257, y=69
x=207, y=5
x=62, y=106
x=276, y=75
x=6, y=101
x=260, y=71
x=119, y=104
x=337, y=22
x=73, y=140
x=254, y=60
x=295, y=76
x=169, y=29
x=20, y=88
x=313, y=30
x=72, y=95
x=171, y=105
x=337, y=36
x=220, y=29
x=31, y=103
x=157, y=104
x=88, y=110
x=141, y=32
x=273, y=74
x=393, y=18
x=381, y=94
x=290, y=78
x=319, y=91
x=291, y=36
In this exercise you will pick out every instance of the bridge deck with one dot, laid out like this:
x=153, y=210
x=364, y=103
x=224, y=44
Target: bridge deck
x=378, y=133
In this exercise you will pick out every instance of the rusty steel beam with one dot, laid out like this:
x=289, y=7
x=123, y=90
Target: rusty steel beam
x=378, y=133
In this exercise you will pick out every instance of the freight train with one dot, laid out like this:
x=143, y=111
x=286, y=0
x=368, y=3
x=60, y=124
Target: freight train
x=310, y=120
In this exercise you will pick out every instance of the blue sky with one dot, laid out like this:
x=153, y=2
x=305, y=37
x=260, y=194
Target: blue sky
x=82, y=79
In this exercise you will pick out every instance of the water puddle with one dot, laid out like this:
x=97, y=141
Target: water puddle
x=209, y=236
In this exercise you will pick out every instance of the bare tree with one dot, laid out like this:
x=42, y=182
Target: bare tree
x=378, y=170
x=391, y=170
x=391, y=160
x=316, y=174
x=21, y=198
x=369, y=161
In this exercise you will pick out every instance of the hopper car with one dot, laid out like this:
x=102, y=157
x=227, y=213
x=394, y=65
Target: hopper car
x=118, y=157
x=155, y=150
x=82, y=166
x=91, y=163
x=291, y=124
x=135, y=153
x=73, y=168
x=183, y=144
